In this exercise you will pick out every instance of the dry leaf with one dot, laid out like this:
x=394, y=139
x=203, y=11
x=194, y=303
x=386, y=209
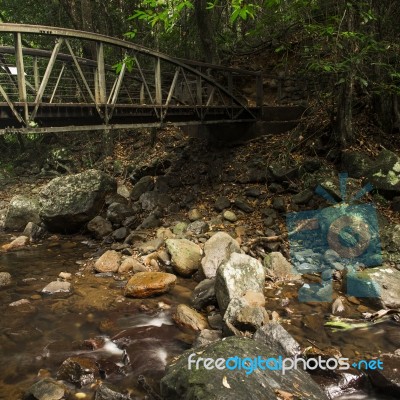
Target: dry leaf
x=225, y=382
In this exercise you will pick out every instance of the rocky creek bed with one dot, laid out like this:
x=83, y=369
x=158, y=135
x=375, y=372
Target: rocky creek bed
x=192, y=255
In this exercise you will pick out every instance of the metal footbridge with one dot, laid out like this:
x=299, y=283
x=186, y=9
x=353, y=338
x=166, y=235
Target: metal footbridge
x=60, y=80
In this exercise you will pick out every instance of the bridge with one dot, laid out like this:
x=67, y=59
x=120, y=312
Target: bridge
x=58, y=80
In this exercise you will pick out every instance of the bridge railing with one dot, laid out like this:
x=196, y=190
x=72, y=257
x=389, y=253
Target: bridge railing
x=70, y=80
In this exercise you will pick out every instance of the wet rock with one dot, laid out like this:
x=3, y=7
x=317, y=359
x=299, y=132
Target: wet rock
x=221, y=203
x=207, y=336
x=67, y=203
x=185, y=256
x=303, y=197
x=198, y=227
x=387, y=378
x=99, y=226
x=131, y=264
x=243, y=205
x=21, y=210
x=46, y=389
x=190, y=383
x=186, y=317
x=204, y=294
x=57, y=287
x=120, y=234
x=217, y=250
x=194, y=215
x=273, y=334
x=21, y=302
x=279, y=267
x=117, y=213
x=388, y=280
x=240, y=274
x=108, y=262
x=18, y=243
x=145, y=184
x=33, y=231
x=356, y=164
x=5, y=279
x=150, y=246
x=230, y=216
x=105, y=393
x=65, y=275
x=79, y=370
x=146, y=284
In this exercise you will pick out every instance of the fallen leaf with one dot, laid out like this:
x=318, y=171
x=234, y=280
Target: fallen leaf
x=225, y=382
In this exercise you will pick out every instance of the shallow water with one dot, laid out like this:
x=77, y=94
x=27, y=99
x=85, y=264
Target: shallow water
x=36, y=338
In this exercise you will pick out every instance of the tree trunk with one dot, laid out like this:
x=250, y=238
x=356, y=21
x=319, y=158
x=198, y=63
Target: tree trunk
x=344, y=119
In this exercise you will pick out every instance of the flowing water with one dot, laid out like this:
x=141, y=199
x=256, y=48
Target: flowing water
x=126, y=337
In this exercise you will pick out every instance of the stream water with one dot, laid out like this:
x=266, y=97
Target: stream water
x=36, y=337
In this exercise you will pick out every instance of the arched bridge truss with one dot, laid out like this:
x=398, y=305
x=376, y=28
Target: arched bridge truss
x=54, y=79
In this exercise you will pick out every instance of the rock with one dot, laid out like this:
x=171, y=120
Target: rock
x=108, y=262
x=238, y=275
x=146, y=284
x=33, y=231
x=65, y=275
x=186, y=317
x=243, y=205
x=217, y=250
x=21, y=210
x=67, y=203
x=269, y=212
x=356, y=164
x=279, y=203
x=281, y=173
x=281, y=268
x=221, y=203
x=105, y=393
x=198, y=227
x=149, y=246
x=388, y=281
x=46, y=389
x=184, y=381
x=120, y=234
x=123, y=191
x=99, y=226
x=152, y=200
x=151, y=221
x=180, y=228
x=207, y=336
x=131, y=264
x=145, y=184
x=131, y=222
x=273, y=334
x=185, y=256
x=303, y=197
x=387, y=378
x=19, y=242
x=194, y=215
x=253, y=192
x=57, y=287
x=79, y=370
x=230, y=216
x=204, y=294
x=390, y=240
x=164, y=233
x=5, y=279
x=117, y=213
x=384, y=173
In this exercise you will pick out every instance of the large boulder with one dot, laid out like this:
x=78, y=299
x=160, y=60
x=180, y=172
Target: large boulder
x=183, y=380
x=384, y=173
x=21, y=210
x=67, y=203
x=146, y=284
x=217, y=250
x=237, y=276
x=185, y=256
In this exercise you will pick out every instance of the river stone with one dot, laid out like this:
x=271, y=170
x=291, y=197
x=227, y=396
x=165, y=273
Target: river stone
x=5, y=279
x=243, y=205
x=207, y=336
x=118, y=212
x=303, y=197
x=185, y=256
x=19, y=242
x=46, y=389
x=273, y=334
x=69, y=202
x=388, y=280
x=33, y=231
x=194, y=214
x=145, y=184
x=131, y=264
x=186, y=317
x=105, y=393
x=281, y=268
x=108, y=262
x=198, y=227
x=21, y=210
x=57, y=287
x=230, y=216
x=384, y=173
x=182, y=382
x=151, y=200
x=146, y=284
x=204, y=294
x=149, y=246
x=387, y=379
x=240, y=274
x=99, y=226
x=221, y=203
x=217, y=250
x=79, y=370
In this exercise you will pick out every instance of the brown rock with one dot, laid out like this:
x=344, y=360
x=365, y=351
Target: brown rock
x=186, y=317
x=146, y=284
x=131, y=264
x=17, y=243
x=108, y=262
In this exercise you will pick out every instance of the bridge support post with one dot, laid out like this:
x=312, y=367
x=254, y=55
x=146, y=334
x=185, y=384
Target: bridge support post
x=19, y=58
x=158, y=82
x=101, y=94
